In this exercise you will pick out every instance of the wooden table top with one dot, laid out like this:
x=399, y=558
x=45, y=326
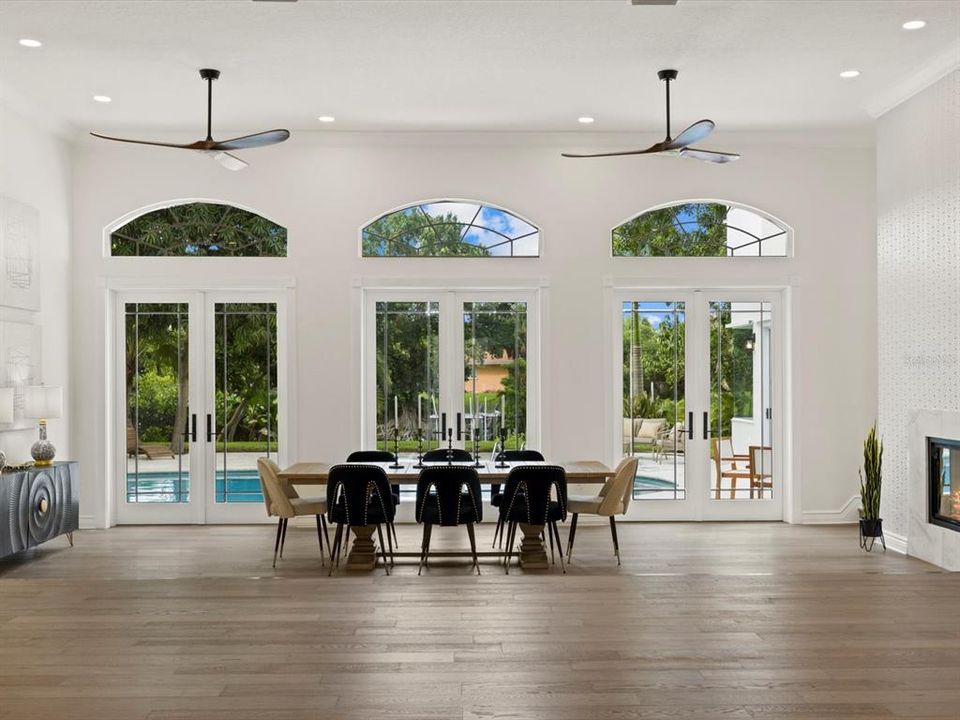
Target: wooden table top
x=315, y=473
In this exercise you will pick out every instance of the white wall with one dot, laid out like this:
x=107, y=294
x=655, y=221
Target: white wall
x=918, y=196
x=35, y=168
x=324, y=187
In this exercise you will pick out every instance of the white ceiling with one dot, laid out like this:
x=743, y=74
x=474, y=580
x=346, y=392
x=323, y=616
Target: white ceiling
x=482, y=65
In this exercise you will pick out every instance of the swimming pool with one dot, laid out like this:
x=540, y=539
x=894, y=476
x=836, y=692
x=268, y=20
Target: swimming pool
x=239, y=486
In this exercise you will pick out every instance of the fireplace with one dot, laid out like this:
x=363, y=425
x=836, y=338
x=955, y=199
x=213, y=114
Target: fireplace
x=943, y=461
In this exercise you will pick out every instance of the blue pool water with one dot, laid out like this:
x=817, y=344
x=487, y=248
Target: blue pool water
x=239, y=486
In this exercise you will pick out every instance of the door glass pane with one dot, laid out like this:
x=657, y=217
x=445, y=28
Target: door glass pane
x=157, y=402
x=495, y=373
x=740, y=448
x=245, y=397
x=654, y=374
x=408, y=369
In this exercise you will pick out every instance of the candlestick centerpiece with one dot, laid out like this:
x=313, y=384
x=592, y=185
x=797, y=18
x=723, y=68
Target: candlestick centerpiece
x=449, y=446
x=502, y=434
x=396, y=450
x=476, y=448
x=419, y=464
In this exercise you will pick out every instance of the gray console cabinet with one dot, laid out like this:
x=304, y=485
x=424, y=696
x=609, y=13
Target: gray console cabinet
x=37, y=505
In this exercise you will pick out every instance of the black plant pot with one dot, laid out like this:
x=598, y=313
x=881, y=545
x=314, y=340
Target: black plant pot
x=870, y=530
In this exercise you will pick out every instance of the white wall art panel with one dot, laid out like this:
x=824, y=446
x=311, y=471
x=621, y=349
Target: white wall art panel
x=19, y=362
x=19, y=234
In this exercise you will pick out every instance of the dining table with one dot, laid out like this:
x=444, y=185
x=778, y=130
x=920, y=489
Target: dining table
x=363, y=552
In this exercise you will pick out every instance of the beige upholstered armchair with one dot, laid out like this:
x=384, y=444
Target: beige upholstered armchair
x=283, y=502
x=612, y=500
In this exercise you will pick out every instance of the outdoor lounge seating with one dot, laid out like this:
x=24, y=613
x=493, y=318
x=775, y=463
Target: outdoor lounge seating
x=645, y=430
x=151, y=450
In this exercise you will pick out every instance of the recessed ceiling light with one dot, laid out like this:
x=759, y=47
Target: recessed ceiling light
x=847, y=74
x=326, y=118
x=914, y=24
x=102, y=98
x=585, y=120
x=29, y=42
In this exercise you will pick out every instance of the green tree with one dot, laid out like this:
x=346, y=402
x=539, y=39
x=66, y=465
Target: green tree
x=200, y=229
x=411, y=232
x=690, y=229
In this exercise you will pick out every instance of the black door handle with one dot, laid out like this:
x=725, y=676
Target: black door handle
x=443, y=425
x=706, y=423
x=190, y=434
x=459, y=429
x=209, y=428
x=690, y=425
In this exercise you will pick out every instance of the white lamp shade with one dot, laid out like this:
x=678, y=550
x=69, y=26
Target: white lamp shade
x=6, y=405
x=43, y=401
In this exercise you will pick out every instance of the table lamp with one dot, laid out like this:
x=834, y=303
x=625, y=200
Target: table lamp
x=42, y=402
x=6, y=415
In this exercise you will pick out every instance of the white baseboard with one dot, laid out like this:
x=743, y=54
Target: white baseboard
x=88, y=522
x=849, y=513
x=897, y=543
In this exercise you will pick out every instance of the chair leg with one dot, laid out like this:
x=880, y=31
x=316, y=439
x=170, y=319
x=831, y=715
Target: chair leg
x=335, y=550
x=498, y=530
x=326, y=535
x=393, y=528
x=320, y=538
x=550, y=533
x=425, y=547
x=383, y=547
x=613, y=532
x=342, y=532
x=556, y=531
x=572, y=536
x=276, y=545
x=473, y=546
x=283, y=536
x=511, y=531
x=390, y=528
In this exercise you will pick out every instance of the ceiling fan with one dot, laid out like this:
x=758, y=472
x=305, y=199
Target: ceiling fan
x=678, y=146
x=217, y=149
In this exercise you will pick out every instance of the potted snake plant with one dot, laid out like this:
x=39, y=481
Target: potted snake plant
x=871, y=524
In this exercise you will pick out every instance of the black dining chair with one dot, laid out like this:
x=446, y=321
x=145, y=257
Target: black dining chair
x=359, y=495
x=496, y=497
x=445, y=454
x=528, y=497
x=448, y=496
x=376, y=456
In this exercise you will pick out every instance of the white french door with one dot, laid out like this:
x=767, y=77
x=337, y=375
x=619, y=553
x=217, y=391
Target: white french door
x=699, y=383
x=445, y=366
x=200, y=388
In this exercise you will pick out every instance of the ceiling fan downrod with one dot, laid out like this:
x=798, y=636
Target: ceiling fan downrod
x=667, y=76
x=209, y=74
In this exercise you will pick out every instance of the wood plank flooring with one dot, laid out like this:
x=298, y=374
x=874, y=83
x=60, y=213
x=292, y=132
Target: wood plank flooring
x=757, y=621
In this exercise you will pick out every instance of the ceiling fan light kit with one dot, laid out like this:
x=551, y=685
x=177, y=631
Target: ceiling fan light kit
x=679, y=146
x=217, y=149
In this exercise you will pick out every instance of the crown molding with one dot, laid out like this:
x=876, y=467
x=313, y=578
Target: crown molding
x=925, y=76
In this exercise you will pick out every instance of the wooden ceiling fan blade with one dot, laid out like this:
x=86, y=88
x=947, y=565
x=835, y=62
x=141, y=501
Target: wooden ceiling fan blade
x=652, y=150
x=245, y=142
x=145, y=142
x=695, y=133
x=709, y=155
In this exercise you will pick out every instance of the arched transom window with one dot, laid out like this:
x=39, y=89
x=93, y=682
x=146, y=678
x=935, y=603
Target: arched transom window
x=199, y=229
x=701, y=229
x=450, y=228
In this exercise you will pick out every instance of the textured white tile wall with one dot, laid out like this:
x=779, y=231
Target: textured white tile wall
x=918, y=266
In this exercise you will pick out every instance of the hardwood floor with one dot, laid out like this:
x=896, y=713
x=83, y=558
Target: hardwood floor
x=726, y=620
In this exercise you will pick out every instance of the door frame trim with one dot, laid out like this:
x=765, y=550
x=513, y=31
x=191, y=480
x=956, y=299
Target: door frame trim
x=613, y=295
x=116, y=289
